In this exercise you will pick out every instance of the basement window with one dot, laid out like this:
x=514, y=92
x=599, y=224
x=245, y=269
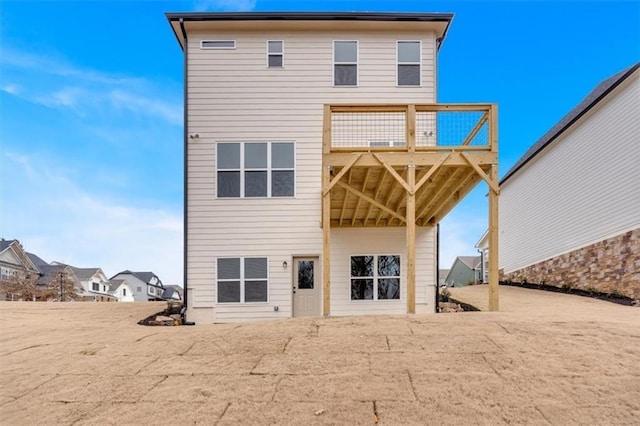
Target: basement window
x=375, y=277
x=217, y=44
x=243, y=279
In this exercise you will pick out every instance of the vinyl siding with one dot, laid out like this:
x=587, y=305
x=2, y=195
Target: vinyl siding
x=583, y=188
x=233, y=96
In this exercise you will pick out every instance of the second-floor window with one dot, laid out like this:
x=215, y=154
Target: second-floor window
x=275, y=53
x=95, y=286
x=409, y=63
x=124, y=291
x=255, y=169
x=345, y=63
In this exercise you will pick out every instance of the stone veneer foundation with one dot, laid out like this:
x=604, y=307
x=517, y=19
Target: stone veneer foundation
x=608, y=266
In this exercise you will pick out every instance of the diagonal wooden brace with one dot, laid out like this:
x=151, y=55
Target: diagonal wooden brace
x=492, y=183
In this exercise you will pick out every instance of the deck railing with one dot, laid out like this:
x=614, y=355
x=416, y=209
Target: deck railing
x=412, y=127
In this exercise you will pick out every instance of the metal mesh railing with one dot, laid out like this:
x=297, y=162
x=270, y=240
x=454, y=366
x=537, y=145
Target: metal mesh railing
x=373, y=129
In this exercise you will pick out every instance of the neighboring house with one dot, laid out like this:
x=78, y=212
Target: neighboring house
x=570, y=207
x=95, y=285
x=172, y=292
x=121, y=290
x=145, y=286
x=17, y=270
x=464, y=271
x=483, y=247
x=14, y=260
x=57, y=281
x=318, y=164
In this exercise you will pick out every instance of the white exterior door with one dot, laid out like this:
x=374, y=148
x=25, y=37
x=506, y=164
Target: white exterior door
x=306, y=292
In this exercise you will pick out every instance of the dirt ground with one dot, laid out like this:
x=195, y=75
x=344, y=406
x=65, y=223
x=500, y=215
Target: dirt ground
x=546, y=358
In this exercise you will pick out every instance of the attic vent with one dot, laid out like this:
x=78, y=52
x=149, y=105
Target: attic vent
x=386, y=143
x=218, y=44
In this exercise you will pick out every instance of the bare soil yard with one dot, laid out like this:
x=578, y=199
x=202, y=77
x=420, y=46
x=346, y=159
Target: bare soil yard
x=547, y=358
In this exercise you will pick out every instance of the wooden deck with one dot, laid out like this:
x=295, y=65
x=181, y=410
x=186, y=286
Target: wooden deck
x=407, y=165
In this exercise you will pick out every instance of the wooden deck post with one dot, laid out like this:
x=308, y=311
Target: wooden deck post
x=493, y=217
x=411, y=211
x=411, y=241
x=326, y=214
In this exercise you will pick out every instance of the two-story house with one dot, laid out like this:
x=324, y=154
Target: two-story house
x=17, y=269
x=318, y=163
x=144, y=286
x=94, y=283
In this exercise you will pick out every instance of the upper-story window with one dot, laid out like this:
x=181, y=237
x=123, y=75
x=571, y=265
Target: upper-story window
x=275, y=53
x=255, y=169
x=345, y=63
x=409, y=63
x=218, y=44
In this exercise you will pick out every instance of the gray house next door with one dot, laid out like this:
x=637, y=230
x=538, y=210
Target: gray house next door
x=306, y=291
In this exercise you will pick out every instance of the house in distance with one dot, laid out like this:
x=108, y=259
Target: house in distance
x=318, y=163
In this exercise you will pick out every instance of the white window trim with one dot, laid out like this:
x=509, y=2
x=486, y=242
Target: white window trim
x=269, y=54
x=408, y=63
x=356, y=63
x=242, y=281
x=375, y=278
x=269, y=169
x=202, y=46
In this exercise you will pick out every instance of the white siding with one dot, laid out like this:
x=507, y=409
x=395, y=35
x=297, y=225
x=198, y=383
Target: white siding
x=233, y=96
x=583, y=188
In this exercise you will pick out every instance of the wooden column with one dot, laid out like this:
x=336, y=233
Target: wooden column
x=326, y=214
x=411, y=241
x=493, y=216
x=411, y=211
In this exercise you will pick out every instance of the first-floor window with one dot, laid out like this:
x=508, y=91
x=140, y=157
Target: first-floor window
x=375, y=277
x=243, y=279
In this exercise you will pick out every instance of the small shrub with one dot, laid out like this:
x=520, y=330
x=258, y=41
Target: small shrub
x=566, y=286
x=445, y=295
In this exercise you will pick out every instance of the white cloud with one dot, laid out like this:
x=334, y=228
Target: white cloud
x=226, y=5
x=46, y=83
x=56, y=218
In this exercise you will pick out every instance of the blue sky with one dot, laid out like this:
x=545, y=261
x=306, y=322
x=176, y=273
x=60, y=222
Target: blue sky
x=91, y=111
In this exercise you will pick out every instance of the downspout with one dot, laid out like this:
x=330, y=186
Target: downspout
x=481, y=278
x=185, y=168
x=437, y=268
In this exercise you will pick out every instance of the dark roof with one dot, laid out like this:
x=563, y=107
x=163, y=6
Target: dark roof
x=312, y=16
x=114, y=284
x=592, y=99
x=309, y=16
x=4, y=244
x=142, y=276
x=36, y=260
x=84, y=274
x=49, y=273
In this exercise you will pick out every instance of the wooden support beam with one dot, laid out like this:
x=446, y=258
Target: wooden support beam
x=410, y=128
x=326, y=243
x=392, y=189
x=434, y=199
x=493, y=183
x=431, y=172
x=375, y=195
x=462, y=189
x=326, y=130
x=472, y=134
x=337, y=108
x=371, y=200
x=364, y=187
x=342, y=172
x=411, y=242
x=393, y=172
x=344, y=202
x=401, y=159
